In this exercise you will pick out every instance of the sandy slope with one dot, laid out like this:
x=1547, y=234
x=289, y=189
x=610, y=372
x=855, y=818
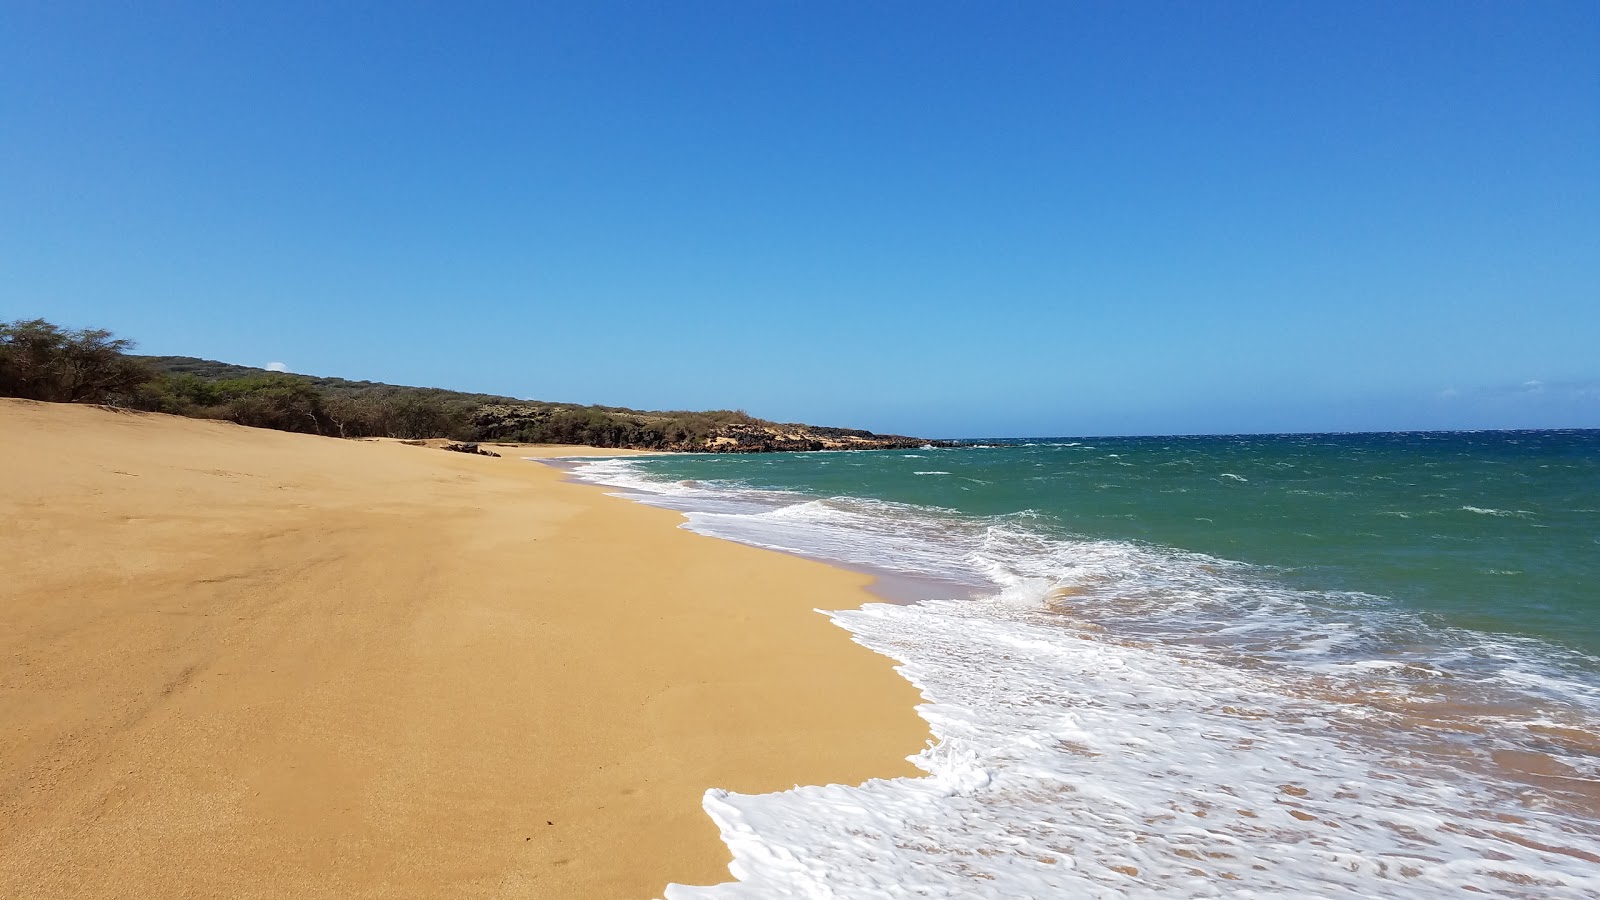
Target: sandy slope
x=241, y=663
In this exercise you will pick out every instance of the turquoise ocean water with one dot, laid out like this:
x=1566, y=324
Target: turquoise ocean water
x=1492, y=530
x=1363, y=665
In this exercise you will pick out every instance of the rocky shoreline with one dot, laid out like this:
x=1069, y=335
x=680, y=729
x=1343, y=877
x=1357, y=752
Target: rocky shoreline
x=785, y=438
x=513, y=421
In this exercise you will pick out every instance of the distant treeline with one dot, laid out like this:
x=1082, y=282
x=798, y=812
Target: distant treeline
x=41, y=361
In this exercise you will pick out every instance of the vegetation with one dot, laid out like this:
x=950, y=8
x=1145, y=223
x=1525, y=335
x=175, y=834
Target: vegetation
x=549, y=423
x=297, y=403
x=40, y=361
x=344, y=408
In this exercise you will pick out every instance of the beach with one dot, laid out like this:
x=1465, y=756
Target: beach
x=246, y=663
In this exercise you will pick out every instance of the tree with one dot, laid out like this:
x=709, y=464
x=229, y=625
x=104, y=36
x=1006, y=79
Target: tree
x=275, y=401
x=415, y=414
x=41, y=361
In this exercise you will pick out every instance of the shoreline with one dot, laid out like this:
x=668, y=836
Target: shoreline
x=1111, y=697
x=885, y=585
x=251, y=663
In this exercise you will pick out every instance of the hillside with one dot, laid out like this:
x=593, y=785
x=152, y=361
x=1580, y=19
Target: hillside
x=341, y=407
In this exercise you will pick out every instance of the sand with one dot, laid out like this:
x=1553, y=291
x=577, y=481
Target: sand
x=243, y=663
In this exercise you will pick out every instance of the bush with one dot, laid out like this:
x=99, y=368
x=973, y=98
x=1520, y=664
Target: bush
x=274, y=401
x=407, y=414
x=182, y=395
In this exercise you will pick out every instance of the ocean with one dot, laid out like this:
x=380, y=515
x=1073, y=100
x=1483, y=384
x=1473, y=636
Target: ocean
x=1315, y=665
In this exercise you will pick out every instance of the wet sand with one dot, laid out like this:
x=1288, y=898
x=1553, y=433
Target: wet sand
x=243, y=663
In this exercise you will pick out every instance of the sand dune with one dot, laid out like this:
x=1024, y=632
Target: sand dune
x=242, y=663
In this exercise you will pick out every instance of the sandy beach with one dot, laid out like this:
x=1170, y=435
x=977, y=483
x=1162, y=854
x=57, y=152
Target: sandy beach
x=245, y=663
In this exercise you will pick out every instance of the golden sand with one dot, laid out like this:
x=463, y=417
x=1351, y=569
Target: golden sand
x=243, y=663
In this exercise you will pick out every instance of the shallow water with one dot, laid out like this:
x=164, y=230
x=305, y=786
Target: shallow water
x=1196, y=666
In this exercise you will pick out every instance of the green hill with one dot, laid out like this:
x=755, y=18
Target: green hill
x=42, y=361
x=345, y=408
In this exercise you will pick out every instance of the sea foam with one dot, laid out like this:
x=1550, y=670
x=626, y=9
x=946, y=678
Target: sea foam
x=1070, y=766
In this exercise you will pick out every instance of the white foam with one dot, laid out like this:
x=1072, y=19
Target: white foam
x=1069, y=766
x=1503, y=513
x=625, y=473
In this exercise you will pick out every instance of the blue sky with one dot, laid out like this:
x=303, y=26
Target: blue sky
x=933, y=218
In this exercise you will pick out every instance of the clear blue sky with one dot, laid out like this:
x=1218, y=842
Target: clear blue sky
x=934, y=218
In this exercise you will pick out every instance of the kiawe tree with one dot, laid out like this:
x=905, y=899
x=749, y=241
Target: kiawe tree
x=42, y=361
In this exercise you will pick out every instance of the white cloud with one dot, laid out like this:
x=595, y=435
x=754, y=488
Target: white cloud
x=277, y=367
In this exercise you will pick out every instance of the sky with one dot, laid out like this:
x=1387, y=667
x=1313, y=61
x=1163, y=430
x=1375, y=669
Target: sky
x=943, y=219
